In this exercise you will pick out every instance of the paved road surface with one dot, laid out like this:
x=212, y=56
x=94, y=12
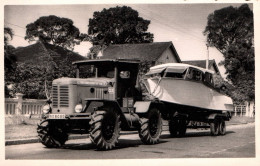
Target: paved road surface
x=238, y=142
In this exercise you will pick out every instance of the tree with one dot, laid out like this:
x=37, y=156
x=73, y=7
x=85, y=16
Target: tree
x=118, y=25
x=9, y=59
x=54, y=30
x=34, y=79
x=231, y=31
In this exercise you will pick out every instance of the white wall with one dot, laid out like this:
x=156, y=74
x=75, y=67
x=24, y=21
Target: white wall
x=163, y=58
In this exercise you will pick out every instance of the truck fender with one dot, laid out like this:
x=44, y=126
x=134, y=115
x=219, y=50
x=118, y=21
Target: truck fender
x=144, y=106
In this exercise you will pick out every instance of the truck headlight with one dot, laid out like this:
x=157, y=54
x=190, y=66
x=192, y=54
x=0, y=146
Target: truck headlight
x=46, y=109
x=78, y=108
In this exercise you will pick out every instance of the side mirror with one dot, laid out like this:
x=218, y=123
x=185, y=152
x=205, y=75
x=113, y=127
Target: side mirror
x=124, y=74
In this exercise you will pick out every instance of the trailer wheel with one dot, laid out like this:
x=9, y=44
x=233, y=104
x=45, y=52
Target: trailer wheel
x=151, y=127
x=173, y=127
x=214, y=128
x=177, y=127
x=182, y=127
x=51, y=136
x=105, y=129
x=222, y=127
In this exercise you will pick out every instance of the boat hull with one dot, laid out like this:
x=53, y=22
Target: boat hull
x=189, y=93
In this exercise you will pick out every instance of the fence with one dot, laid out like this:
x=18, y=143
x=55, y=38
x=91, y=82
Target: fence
x=239, y=110
x=20, y=106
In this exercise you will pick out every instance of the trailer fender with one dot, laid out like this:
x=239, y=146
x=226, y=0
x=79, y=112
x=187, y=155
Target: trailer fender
x=223, y=116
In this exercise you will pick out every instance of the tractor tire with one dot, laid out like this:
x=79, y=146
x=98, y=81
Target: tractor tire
x=222, y=127
x=214, y=128
x=177, y=127
x=151, y=127
x=105, y=129
x=51, y=136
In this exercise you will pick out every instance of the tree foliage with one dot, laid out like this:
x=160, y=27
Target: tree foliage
x=30, y=78
x=118, y=25
x=55, y=30
x=9, y=58
x=231, y=31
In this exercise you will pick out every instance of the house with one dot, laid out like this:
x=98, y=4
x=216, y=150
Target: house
x=202, y=63
x=35, y=53
x=157, y=52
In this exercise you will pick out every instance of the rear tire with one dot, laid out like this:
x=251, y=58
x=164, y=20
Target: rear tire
x=105, y=129
x=151, y=127
x=214, y=128
x=51, y=136
x=222, y=127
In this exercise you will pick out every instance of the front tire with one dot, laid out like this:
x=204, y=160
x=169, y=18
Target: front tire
x=51, y=136
x=151, y=127
x=105, y=129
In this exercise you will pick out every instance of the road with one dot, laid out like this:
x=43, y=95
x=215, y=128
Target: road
x=238, y=142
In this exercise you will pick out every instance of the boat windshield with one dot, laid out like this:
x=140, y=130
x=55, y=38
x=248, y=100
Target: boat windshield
x=175, y=72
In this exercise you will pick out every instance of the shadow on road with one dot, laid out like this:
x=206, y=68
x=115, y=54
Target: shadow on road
x=194, y=134
x=122, y=144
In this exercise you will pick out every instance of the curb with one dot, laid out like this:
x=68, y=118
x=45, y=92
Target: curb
x=36, y=140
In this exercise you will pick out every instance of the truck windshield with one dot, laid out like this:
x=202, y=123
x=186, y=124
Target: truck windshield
x=91, y=71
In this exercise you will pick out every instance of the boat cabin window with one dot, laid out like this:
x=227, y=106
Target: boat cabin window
x=175, y=72
x=156, y=72
x=209, y=78
x=194, y=74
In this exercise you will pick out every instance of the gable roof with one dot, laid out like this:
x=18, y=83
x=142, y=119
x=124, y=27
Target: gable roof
x=202, y=64
x=33, y=53
x=142, y=51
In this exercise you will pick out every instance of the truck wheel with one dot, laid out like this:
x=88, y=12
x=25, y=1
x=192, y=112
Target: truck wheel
x=51, y=136
x=105, y=129
x=151, y=127
x=222, y=127
x=214, y=128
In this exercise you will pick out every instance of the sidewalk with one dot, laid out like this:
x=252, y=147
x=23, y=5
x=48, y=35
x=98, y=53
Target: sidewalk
x=26, y=132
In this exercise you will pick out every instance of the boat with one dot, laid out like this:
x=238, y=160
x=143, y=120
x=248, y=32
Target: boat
x=187, y=86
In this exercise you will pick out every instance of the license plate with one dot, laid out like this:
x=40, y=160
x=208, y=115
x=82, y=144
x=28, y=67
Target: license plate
x=56, y=116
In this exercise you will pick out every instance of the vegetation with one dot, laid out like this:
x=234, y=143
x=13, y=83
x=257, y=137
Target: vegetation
x=231, y=31
x=118, y=25
x=55, y=30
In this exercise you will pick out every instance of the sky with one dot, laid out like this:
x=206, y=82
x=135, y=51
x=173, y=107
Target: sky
x=183, y=24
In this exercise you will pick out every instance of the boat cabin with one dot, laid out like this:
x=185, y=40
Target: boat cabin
x=181, y=71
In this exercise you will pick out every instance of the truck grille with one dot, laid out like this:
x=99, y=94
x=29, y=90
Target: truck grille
x=99, y=93
x=60, y=96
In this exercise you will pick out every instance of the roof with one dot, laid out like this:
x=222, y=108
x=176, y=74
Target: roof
x=33, y=53
x=93, y=61
x=141, y=51
x=202, y=64
x=178, y=65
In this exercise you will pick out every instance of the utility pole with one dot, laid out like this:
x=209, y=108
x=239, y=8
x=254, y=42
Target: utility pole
x=207, y=60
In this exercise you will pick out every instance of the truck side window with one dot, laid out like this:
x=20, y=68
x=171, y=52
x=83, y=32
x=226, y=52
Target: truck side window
x=125, y=74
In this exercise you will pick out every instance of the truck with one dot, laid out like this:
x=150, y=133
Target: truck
x=108, y=96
